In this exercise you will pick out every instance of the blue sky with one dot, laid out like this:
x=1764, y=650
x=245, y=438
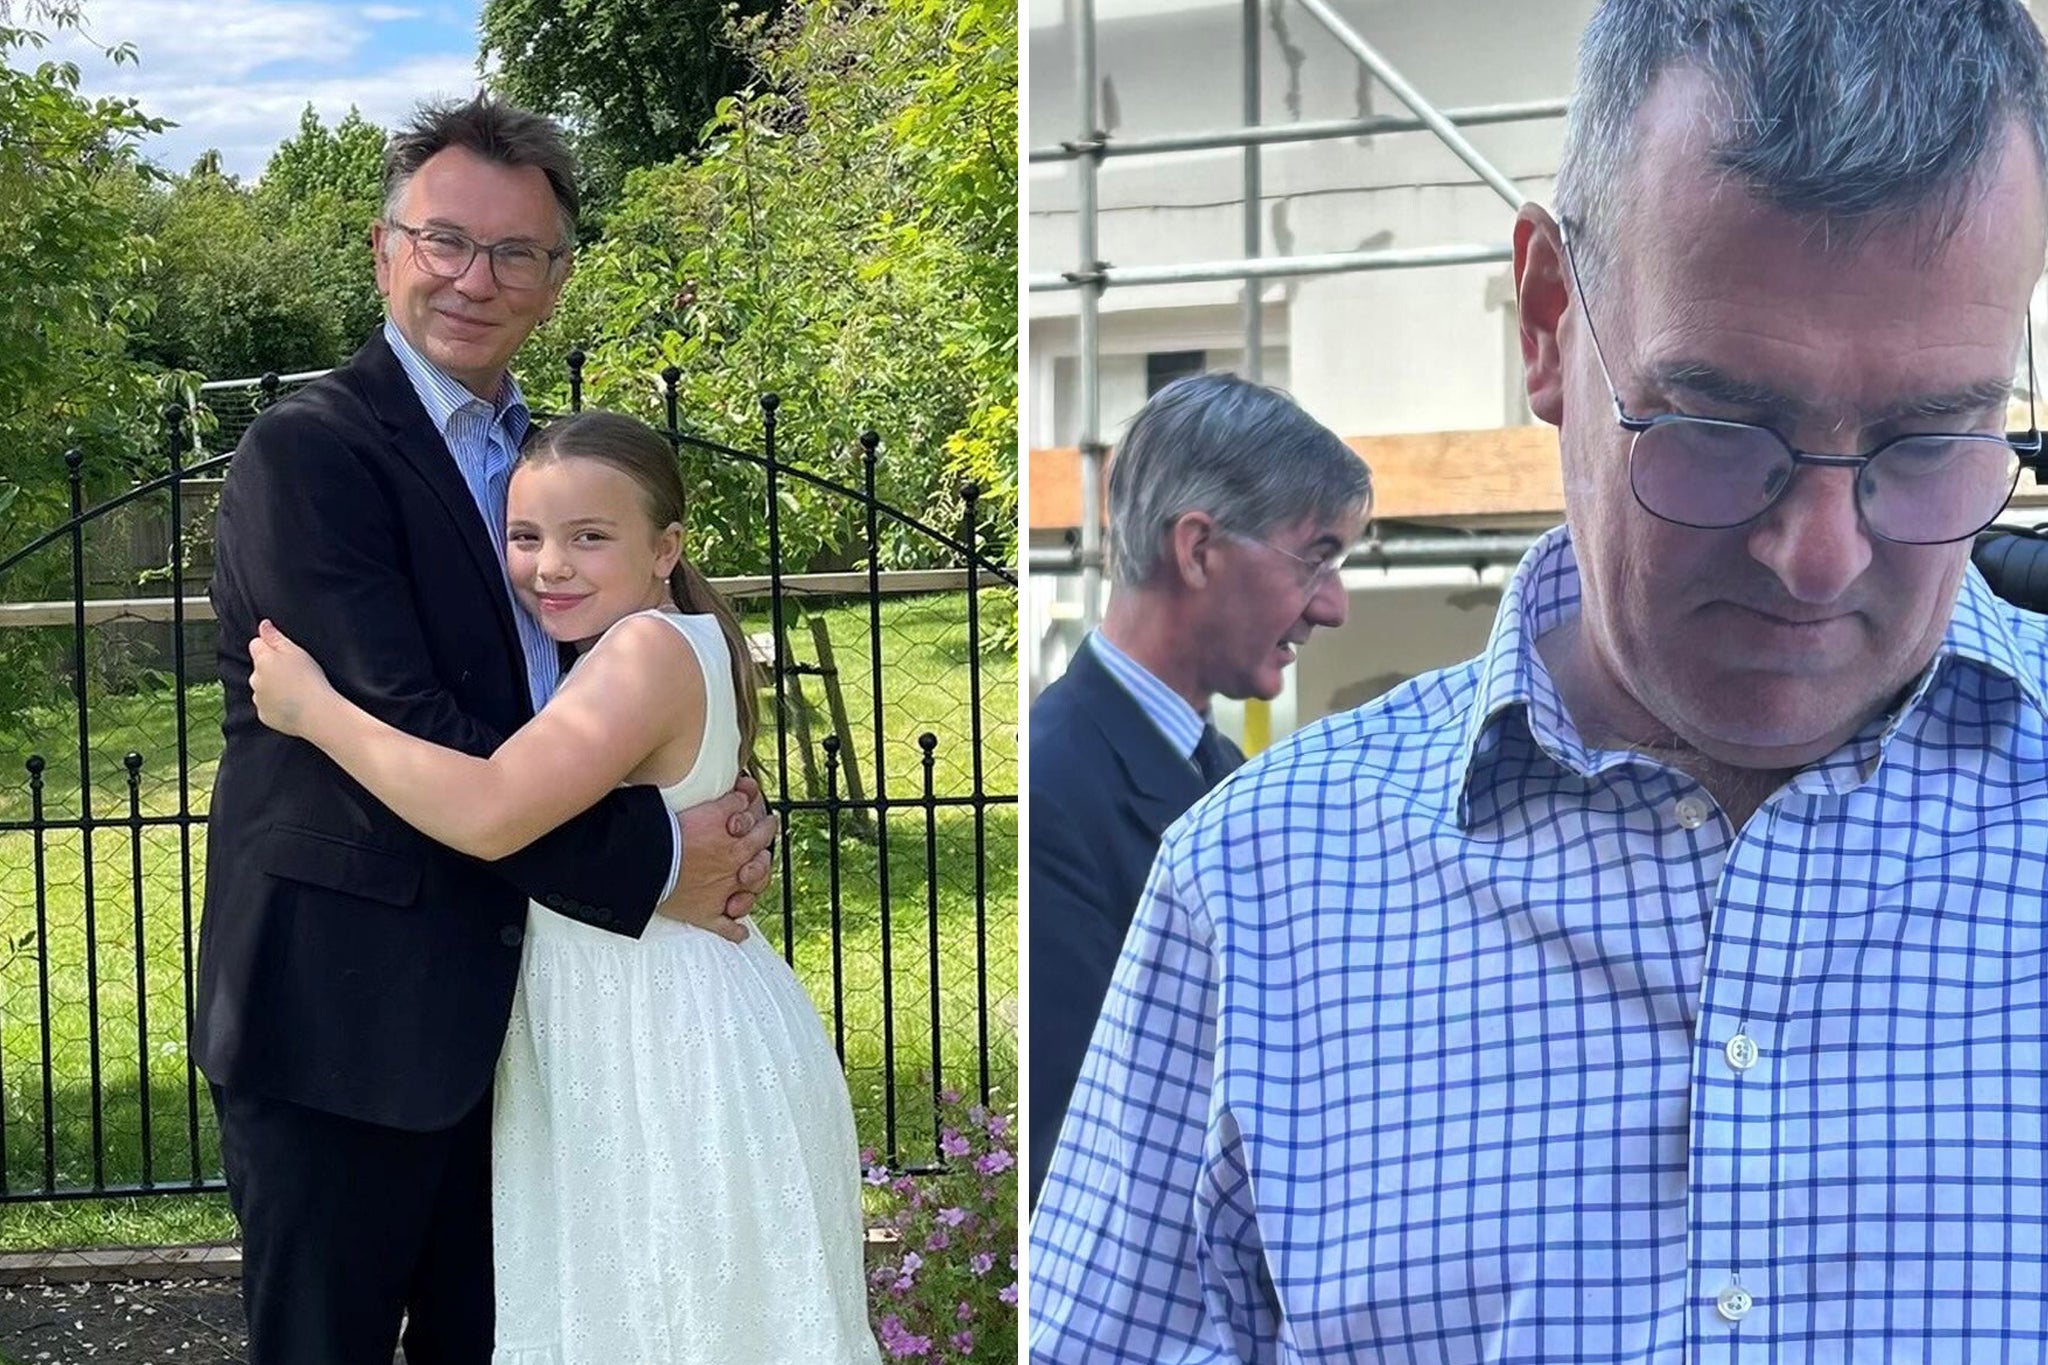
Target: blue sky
x=234, y=74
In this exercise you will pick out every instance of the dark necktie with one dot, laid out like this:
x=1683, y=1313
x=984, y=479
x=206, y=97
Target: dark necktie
x=1211, y=759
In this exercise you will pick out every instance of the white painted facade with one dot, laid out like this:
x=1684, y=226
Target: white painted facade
x=1390, y=351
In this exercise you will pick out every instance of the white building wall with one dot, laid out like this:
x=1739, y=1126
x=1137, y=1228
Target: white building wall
x=1367, y=353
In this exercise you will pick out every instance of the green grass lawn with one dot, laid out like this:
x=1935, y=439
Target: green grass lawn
x=134, y=1039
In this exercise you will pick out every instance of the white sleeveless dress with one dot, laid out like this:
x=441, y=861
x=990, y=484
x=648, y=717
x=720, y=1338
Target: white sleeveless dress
x=675, y=1176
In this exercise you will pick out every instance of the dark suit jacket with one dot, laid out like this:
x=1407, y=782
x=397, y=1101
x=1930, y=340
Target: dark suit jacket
x=1105, y=784
x=346, y=962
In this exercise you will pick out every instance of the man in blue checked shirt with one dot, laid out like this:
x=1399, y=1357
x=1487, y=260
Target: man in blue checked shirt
x=1669, y=983
x=1231, y=512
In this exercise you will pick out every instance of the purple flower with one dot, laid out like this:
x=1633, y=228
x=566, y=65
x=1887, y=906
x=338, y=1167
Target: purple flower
x=912, y=1263
x=982, y=1262
x=876, y=1175
x=949, y=1097
x=952, y=1218
x=998, y=1160
x=938, y=1241
x=964, y=1313
x=1009, y=1292
x=952, y=1144
x=998, y=1125
x=963, y=1342
x=900, y=1342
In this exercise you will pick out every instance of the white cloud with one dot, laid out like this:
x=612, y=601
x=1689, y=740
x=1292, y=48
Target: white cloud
x=180, y=40
x=247, y=121
x=390, y=14
x=235, y=74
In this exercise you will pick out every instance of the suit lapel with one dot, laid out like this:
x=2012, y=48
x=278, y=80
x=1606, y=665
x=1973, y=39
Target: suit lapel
x=1163, y=784
x=390, y=395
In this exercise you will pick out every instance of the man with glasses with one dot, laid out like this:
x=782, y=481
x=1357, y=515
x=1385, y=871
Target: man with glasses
x=354, y=978
x=1669, y=983
x=1231, y=512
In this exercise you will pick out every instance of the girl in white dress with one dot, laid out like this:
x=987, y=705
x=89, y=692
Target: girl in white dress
x=675, y=1177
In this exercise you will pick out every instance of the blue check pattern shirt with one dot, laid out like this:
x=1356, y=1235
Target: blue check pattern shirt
x=1441, y=1036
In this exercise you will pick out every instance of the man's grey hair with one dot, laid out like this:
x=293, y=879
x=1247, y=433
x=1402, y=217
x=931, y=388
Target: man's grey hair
x=492, y=129
x=1244, y=453
x=1854, y=112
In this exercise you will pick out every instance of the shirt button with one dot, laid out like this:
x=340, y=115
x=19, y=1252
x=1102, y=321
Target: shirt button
x=510, y=936
x=1741, y=1052
x=1692, y=812
x=1734, y=1303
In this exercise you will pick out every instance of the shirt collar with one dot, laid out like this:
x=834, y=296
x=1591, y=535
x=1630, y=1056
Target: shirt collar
x=1987, y=631
x=1513, y=682
x=1179, y=722
x=443, y=395
x=1515, y=686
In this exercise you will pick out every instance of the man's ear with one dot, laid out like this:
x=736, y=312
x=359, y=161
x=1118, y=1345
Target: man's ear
x=1542, y=296
x=1192, y=545
x=379, y=245
x=555, y=289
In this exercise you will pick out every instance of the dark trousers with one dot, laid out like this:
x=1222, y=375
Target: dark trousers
x=350, y=1229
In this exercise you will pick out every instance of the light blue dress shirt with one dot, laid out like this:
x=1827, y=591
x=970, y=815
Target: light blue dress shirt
x=1169, y=710
x=484, y=440
x=1443, y=1036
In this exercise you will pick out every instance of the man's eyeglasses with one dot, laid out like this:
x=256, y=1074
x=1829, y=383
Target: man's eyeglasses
x=1314, y=570
x=449, y=254
x=1921, y=489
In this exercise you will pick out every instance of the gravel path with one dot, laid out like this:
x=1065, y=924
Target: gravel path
x=189, y=1322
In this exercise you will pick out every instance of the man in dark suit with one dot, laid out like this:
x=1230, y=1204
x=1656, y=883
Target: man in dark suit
x=1230, y=513
x=355, y=978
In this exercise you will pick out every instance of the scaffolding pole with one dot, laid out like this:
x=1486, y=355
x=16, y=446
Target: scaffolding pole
x=1432, y=117
x=1405, y=552
x=1092, y=448
x=1322, y=130
x=1093, y=275
x=1271, y=267
x=1254, y=300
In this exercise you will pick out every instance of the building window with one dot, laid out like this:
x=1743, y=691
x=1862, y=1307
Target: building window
x=1163, y=367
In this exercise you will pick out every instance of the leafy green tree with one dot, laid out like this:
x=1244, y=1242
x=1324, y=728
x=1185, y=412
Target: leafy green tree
x=345, y=162
x=67, y=252
x=846, y=239
x=230, y=300
x=319, y=194
x=276, y=277
x=635, y=80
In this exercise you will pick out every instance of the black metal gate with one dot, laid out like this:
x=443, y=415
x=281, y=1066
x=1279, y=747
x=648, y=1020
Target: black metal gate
x=893, y=767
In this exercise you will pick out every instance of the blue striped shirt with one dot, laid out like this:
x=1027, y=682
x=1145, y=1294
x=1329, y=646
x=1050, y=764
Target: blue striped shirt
x=484, y=439
x=1441, y=1035
x=1169, y=710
